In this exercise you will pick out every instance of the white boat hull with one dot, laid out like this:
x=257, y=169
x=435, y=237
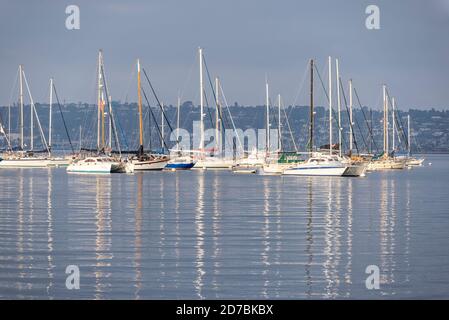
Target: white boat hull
x=24, y=163
x=149, y=165
x=388, y=164
x=315, y=171
x=216, y=164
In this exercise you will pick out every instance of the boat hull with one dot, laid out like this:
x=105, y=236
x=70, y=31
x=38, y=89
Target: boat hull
x=25, y=163
x=218, y=164
x=315, y=171
x=91, y=168
x=355, y=171
x=150, y=165
x=179, y=166
x=386, y=165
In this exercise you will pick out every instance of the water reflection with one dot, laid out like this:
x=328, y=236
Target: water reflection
x=50, y=230
x=210, y=235
x=199, y=233
x=103, y=223
x=138, y=238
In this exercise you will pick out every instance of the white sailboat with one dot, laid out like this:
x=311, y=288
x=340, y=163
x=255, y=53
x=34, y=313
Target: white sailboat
x=318, y=164
x=179, y=160
x=26, y=158
x=142, y=161
x=411, y=161
x=101, y=163
x=203, y=160
x=385, y=162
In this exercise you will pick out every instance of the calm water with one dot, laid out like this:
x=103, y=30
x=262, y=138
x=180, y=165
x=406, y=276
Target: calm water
x=217, y=235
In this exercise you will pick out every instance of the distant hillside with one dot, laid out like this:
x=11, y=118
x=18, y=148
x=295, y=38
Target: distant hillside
x=430, y=128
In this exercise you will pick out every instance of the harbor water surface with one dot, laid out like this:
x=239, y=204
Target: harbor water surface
x=218, y=235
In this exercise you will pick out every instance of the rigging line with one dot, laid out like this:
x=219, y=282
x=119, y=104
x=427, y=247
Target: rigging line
x=35, y=112
x=212, y=88
x=301, y=86
x=208, y=109
x=349, y=117
x=2, y=131
x=398, y=125
x=370, y=129
x=13, y=88
x=288, y=125
x=157, y=99
x=401, y=126
x=230, y=115
x=62, y=116
x=334, y=113
x=189, y=76
x=114, y=129
x=154, y=119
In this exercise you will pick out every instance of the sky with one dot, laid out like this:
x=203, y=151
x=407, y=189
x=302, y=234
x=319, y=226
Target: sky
x=244, y=42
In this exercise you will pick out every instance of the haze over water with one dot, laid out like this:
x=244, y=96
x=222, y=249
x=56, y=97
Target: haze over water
x=219, y=235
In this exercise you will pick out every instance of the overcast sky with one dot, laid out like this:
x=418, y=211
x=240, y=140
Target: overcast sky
x=243, y=40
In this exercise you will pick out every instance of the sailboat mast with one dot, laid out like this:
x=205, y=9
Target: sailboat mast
x=217, y=116
x=177, y=120
x=267, y=138
x=139, y=102
x=279, y=124
x=394, y=124
x=162, y=125
x=21, y=104
x=311, y=108
x=200, y=50
x=351, y=122
x=31, y=126
x=99, y=103
x=330, y=103
x=338, y=107
x=178, y=115
x=385, y=122
x=110, y=123
x=50, y=114
x=408, y=135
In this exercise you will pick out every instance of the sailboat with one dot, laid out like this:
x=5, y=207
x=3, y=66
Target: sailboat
x=384, y=161
x=411, y=161
x=318, y=164
x=276, y=163
x=209, y=161
x=56, y=161
x=101, y=162
x=143, y=161
x=26, y=158
x=179, y=161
